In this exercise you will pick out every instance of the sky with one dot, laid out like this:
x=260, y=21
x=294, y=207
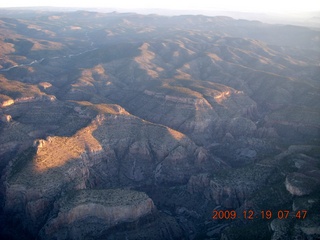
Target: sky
x=269, y=6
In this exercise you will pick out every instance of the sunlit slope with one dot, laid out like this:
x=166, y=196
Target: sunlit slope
x=181, y=81
x=198, y=112
x=114, y=149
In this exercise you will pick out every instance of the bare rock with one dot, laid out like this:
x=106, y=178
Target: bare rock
x=7, y=103
x=299, y=184
x=91, y=211
x=226, y=194
x=113, y=150
x=39, y=143
x=6, y=118
x=230, y=188
x=45, y=85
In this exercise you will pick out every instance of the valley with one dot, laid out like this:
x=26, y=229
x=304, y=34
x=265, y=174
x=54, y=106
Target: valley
x=121, y=125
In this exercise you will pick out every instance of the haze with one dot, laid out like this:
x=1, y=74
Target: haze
x=271, y=6
x=159, y=121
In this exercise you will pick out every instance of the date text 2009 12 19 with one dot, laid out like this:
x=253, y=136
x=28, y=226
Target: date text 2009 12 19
x=263, y=214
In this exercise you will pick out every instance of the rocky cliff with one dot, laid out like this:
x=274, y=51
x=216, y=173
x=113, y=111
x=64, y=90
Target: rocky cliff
x=126, y=126
x=94, y=211
x=115, y=149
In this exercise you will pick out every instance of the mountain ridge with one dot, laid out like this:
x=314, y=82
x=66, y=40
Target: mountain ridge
x=193, y=112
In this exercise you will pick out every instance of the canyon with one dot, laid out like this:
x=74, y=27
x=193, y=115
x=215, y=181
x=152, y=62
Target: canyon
x=120, y=125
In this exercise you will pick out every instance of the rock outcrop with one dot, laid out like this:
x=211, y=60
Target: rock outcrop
x=7, y=103
x=230, y=188
x=86, y=213
x=306, y=179
x=201, y=115
x=115, y=149
x=6, y=118
x=299, y=184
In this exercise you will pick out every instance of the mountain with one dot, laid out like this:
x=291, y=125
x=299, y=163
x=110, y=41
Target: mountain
x=119, y=125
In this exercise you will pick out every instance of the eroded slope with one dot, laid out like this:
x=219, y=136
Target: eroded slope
x=93, y=101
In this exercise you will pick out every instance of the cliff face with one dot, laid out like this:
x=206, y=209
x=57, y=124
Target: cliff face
x=290, y=179
x=230, y=188
x=93, y=211
x=199, y=112
x=115, y=149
